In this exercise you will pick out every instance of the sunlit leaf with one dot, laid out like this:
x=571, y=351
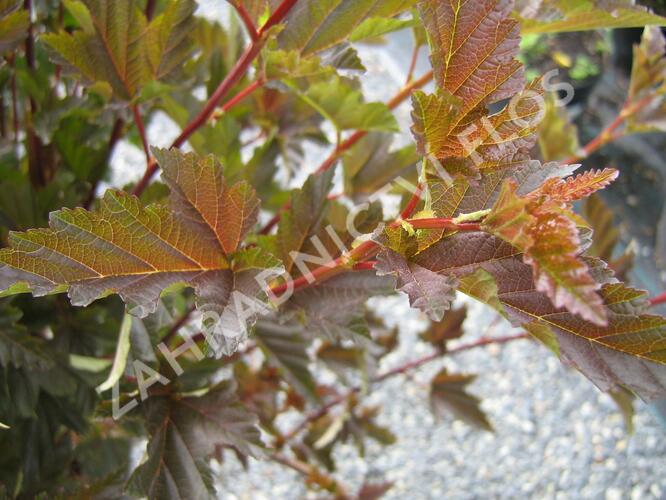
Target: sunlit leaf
x=558, y=137
x=13, y=24
x=120, y=358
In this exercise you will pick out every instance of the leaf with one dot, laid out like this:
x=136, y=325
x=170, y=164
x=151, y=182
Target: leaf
x=3, y=426
x=648, y=82
x=138, y=252
x=314, y=26
x=117, y=46
x=472, y=71
x=628, y=351
x=558, y=137
x=18, y=347
x=624, y=400
x=476, y=68
x=448, y=395
x=183, y=434
x=541, y=227
x=370, y=164
x=606, y=235
x=345, y=108
x=334, y=308
x=429, y=292
x=557, y=16
x=306, y=212
x=374, y=27
x=449, y=328
x=13, y=25
x=286, y=348
x=120, y=358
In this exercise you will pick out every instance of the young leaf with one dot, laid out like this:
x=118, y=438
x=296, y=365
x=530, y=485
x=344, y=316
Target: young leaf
x=120, y=358
x=541, y=227
x=183, y=434
x=138, y=252
x=448, y=395
x=557, y=16
x=473, y=71
x=558, y=137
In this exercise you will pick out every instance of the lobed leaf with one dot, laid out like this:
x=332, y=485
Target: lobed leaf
x=138, y=252
x=13, y=24
x=183, y=434
x=117, y=45
x=557, y=16
x=629, y=350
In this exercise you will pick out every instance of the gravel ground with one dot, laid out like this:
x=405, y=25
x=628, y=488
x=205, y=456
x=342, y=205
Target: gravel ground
x=556, y=435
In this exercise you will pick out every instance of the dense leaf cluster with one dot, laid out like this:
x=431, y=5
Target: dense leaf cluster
x=215, y=297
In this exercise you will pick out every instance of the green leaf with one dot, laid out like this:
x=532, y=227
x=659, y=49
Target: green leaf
x=345, y=108
x=3, y=426
x=13, y=25
x=557, y=16
x=558, y=137
x=120, y=358
x=314, y=26
x=624, y=400
x=448, y=396
x=378, y=26
x=18, y=347
x=183, y=434
x=286, y=348
x=116, y=45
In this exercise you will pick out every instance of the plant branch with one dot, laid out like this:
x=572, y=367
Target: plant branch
x=247, y=20
x=237, y=98
x=232, y=78
x=364, y=251
x=150, y=9
x=142, y=132
x=658, y=299
x=398, y=370
x=610, y=133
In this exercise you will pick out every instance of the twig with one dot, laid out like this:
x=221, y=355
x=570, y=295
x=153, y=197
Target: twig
x=247, y=20
x=658, y=299
x=412, y=64
x=150, y=9
x=142, y=132
x=237, y=98
x=182, y=321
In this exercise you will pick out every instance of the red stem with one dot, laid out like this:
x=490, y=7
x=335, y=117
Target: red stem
x=412, y=203
x=142, y=132
x=234, y=76
x=659, y=299
x=238, y=98
x=363, y=252
x=247, y=20
x=150, y=9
